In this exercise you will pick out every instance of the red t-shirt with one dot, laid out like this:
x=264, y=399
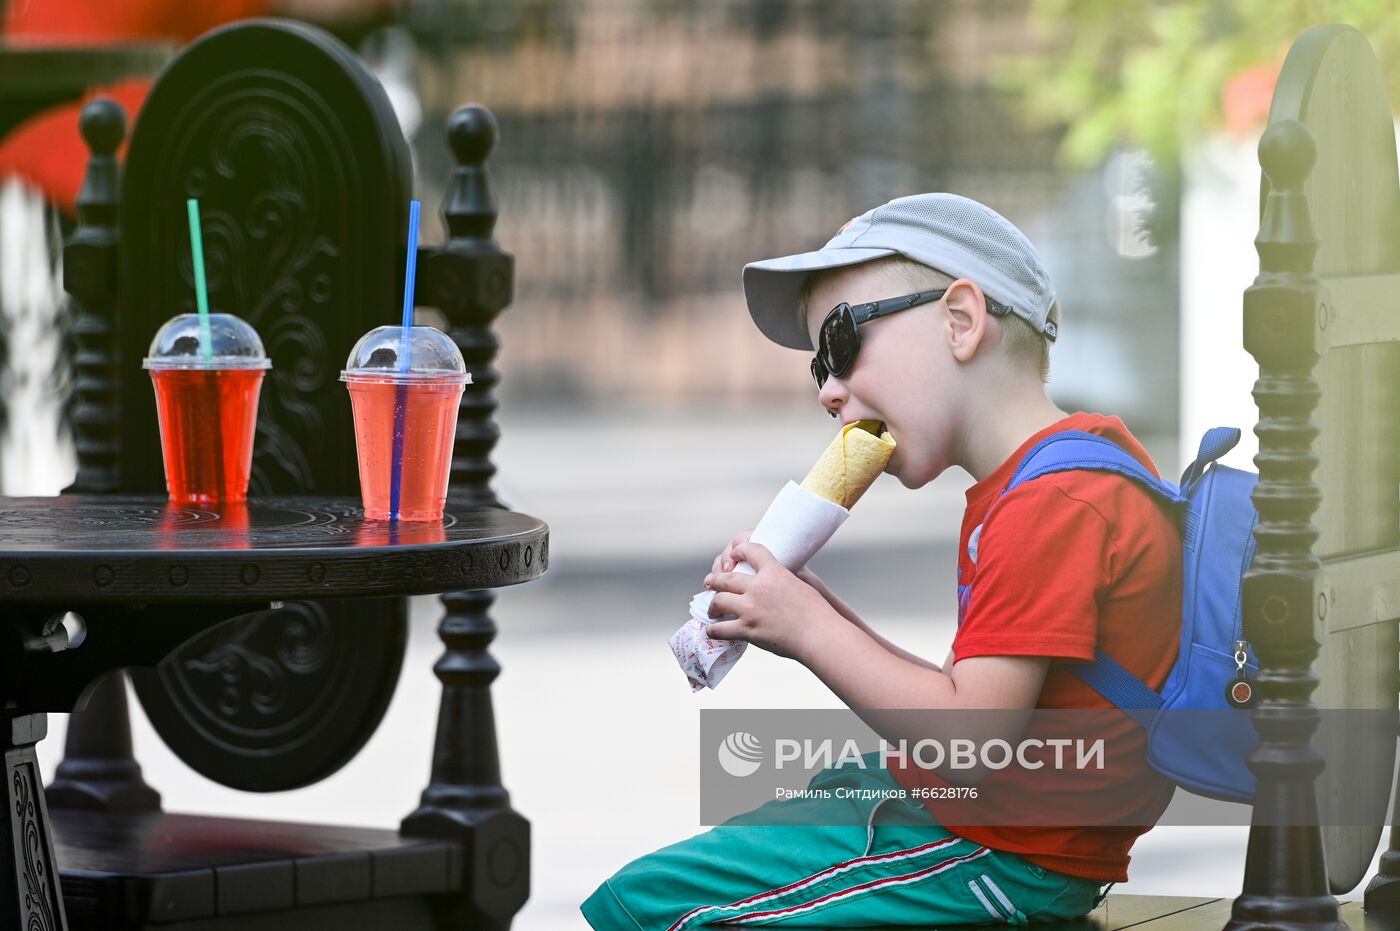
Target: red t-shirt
x=1063, y=564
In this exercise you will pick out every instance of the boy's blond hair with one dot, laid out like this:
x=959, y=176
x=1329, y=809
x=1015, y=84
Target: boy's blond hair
x=1020, y=342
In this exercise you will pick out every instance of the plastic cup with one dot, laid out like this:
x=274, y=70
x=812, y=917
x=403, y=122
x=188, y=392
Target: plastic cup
x=405, y=422
x=207, y=406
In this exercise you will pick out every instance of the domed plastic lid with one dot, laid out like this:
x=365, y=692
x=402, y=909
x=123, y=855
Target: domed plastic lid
x=431, y=355
x=178, y=344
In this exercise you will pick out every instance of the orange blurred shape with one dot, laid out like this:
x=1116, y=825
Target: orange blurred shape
x=1246, y=98
x=47, y=152
x=106, y=22
x=46, y=149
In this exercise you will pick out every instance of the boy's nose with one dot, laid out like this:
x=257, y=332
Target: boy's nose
x=833, y=395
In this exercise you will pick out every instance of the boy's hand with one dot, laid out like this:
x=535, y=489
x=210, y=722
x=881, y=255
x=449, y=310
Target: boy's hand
x=776, y=610
x=725, y=562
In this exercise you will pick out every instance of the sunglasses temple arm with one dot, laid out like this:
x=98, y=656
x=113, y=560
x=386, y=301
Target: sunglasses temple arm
x=878, y=309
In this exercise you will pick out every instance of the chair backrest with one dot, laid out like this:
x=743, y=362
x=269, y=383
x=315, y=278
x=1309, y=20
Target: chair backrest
x=303, y=180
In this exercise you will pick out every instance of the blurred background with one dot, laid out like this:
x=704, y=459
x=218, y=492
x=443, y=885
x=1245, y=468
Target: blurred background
x=649, y=148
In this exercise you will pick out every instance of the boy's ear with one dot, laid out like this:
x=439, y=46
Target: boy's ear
x=967, y=312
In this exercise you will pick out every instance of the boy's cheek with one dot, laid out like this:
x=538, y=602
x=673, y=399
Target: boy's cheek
x=898, y=462
x=894, y=456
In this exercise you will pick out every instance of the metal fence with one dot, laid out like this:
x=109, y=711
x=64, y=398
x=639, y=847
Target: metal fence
x=650, y=149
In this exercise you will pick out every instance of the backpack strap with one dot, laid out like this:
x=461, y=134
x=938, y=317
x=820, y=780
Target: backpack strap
x=1217, y=442
x=1079, y=449
x=1128, y=693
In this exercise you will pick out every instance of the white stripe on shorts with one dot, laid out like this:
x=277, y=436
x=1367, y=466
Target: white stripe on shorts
x=981, y=897
x=1001, y=896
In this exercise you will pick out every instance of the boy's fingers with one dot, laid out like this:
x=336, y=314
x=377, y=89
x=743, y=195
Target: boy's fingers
x=755, y=554
x=722, y=604
x=727, y=559
x=737, y=582
x=724, y=630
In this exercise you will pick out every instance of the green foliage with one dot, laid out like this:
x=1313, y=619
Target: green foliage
x=1151, y=74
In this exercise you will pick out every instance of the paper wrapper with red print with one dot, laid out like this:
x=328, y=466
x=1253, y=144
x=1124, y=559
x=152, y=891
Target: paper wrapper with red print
x=795, y=526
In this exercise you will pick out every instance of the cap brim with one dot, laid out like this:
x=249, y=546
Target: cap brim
x=773, y=286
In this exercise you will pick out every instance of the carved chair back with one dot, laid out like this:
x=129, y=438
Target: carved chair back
x=303, y=180
x=302, y=177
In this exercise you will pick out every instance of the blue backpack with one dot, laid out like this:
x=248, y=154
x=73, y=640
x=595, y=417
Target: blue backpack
x=1204, y=752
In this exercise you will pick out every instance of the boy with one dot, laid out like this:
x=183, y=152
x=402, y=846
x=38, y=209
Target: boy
x=953, y=359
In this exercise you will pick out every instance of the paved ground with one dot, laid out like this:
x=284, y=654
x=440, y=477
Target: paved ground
x=598, y=729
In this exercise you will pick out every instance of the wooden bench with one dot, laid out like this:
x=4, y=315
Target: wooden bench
x=1180, y=913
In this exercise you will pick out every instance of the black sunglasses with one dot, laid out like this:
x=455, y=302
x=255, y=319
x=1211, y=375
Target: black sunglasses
x=839, y=338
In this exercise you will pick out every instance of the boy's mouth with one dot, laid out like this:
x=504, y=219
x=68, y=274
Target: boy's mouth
x=876, y=427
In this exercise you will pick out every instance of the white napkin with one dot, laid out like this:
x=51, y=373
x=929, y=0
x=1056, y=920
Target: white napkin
x=795, y=526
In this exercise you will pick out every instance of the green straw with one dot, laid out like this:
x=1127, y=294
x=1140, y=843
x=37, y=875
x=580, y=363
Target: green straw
x=201, y=290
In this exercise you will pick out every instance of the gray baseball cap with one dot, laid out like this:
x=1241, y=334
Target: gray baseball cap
x=956, y=235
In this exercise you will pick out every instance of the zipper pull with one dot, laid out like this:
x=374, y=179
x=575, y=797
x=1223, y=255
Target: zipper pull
x=1239, y=692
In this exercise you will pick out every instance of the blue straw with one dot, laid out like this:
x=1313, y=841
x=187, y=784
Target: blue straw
x=405, y=351
x=408, y=286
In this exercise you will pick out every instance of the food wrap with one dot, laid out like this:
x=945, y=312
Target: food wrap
x=797, y=524
x=851, y=463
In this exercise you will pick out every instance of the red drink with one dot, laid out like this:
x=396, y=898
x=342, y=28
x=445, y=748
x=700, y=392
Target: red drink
x=207, y=371
x=405, y=386
x=207, y=420
x=429, y=418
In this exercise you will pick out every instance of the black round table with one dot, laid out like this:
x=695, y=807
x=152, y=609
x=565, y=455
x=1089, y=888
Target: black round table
x=94, y=583
x=125, y=549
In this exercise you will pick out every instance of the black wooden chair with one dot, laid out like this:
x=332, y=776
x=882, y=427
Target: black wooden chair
x=303, y=178
x=1323, y=321
x=1321, y=600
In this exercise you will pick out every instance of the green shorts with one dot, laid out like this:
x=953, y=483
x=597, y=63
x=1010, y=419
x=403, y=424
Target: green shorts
x=782, y=864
